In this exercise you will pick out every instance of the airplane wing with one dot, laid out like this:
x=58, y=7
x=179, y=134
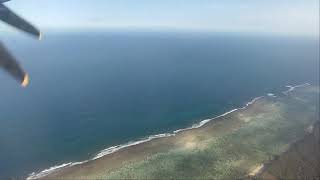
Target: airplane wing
x=14, y=20
x=9, y=64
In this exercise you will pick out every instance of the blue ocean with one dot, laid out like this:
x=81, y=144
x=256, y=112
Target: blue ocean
x=90, y=91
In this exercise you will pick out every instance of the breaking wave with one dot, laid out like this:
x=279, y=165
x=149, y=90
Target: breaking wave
x=291, y=88
x=113, y=149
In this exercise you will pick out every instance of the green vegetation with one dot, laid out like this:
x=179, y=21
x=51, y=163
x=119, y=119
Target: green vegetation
x=233, y=155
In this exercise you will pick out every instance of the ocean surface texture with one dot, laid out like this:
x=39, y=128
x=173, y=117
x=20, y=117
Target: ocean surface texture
x=90, y=91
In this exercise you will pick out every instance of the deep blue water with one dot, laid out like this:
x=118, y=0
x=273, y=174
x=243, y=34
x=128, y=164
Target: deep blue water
x=89, y=91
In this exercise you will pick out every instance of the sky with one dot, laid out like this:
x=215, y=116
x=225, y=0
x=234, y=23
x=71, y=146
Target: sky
x=297, y=17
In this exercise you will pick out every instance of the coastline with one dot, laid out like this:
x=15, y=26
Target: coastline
x=149, y=139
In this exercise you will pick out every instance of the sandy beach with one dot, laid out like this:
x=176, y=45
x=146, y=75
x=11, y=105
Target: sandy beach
x=228, y=146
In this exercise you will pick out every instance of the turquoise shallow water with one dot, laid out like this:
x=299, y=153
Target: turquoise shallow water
x=90, y=91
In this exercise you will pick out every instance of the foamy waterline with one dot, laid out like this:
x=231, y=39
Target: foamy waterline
x=113, y=149
x=291, y=88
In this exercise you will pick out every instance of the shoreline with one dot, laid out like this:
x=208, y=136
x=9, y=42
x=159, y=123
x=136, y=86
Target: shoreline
x=113, y=149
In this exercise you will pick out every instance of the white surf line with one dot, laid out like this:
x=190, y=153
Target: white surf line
x=102, y=153
x=116, y=148
x=51, y=170
x=203, y=122
x=271, y=95
x=113, y=149
x=291, y=88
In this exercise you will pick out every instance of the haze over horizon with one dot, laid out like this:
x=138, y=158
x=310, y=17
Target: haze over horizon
x=294, y=17
x=158, y=89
